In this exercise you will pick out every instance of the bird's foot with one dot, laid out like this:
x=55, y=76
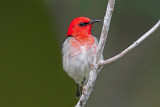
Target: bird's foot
x=84, y=90
x=92, y=66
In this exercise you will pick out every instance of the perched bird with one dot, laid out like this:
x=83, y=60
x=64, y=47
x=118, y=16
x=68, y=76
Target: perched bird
x=78, y=51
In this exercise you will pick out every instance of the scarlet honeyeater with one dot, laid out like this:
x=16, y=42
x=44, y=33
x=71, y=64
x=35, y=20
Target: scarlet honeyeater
x=78, y=51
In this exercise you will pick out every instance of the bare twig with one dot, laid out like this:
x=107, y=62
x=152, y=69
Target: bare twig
x=98, y=62
x=136, y=43
x=105, y=29
x=93, y=73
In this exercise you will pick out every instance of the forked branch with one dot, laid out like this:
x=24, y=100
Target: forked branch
x=99, y=63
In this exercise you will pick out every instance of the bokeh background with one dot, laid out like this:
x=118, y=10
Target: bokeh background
x=31, y=35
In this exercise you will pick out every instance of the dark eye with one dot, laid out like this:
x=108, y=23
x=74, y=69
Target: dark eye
x=81, y=24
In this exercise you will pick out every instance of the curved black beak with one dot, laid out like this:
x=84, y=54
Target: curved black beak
x=94, y=21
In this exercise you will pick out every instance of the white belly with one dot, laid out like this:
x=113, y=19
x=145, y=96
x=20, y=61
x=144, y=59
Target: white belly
x=77, y=61
x=78, y=64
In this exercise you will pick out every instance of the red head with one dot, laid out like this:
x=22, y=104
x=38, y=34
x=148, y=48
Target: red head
x=81, y=26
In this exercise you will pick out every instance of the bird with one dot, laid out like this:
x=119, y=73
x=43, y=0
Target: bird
x=79, y=50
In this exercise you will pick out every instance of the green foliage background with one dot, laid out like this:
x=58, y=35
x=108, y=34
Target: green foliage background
x=31, y=35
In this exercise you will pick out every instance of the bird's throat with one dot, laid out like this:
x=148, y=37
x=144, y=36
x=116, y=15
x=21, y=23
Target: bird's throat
x=82, y=40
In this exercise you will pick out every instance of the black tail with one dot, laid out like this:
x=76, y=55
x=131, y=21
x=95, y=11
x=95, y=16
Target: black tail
x=78, y=91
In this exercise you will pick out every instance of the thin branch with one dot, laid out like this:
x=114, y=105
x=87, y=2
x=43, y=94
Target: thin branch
x=136, y=43
x=93, y=73
x=98, y=62
x=105, y=29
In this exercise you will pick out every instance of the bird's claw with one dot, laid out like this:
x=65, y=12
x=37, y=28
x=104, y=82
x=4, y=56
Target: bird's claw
x=92, y=66
x=83, y=91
